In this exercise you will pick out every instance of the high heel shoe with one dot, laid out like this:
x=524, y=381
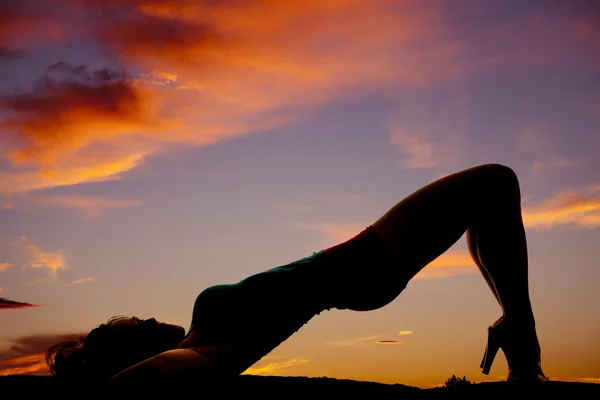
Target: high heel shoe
x=522, y=354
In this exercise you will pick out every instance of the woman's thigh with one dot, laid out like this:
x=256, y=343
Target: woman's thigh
x=361, y=274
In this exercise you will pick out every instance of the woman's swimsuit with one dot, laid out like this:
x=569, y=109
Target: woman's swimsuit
x=267, y=308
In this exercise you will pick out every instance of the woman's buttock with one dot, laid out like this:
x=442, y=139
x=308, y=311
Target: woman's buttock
x=359, y=274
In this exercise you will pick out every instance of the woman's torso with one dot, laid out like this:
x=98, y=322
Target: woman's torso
x=264, y=309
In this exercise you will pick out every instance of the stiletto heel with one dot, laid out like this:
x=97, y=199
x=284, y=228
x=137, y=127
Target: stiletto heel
x=522, y=352
x=493, y=345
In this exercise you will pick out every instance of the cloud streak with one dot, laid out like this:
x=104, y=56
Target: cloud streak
x=588, y=380
x=91, y=206
x=80, y=281
x=7, y=304
x=394, y=342
x=276, y=367
x=360, y=341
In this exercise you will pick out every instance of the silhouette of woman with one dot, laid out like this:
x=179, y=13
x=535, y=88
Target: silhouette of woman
x=235, y=325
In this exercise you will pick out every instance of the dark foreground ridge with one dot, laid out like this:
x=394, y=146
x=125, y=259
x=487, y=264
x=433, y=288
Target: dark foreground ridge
x=274, y=387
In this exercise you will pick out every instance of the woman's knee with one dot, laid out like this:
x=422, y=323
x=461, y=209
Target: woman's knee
x=498, y=177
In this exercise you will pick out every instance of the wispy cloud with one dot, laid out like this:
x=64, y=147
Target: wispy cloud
x=26, y=355
x=405, y=333
x=429, y=132
x=52, y=262
x=7, y=304
x=577, y=208
x=80, y=281
x=5, y=266
x=273, y=368
x=360, y=341
x=417, y=151
x=398, y=342
x=91, y=206
x=543, y=155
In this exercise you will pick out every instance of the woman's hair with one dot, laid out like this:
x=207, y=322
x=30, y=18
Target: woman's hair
x=100, y=354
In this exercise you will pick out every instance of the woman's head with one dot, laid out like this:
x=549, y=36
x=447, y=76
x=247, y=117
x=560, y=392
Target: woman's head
x=111, y=347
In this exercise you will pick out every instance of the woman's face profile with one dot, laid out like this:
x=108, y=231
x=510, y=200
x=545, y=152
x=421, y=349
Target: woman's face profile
x=148, y=333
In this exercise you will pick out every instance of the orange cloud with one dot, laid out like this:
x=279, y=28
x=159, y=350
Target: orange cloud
x=405, y=333
x=33, y=364
x=219, y=69
x=77, y=125
x=7, y=304
x=65, y=115
x=565, y=208
x=90, y=205
x=5, y=266
x=52, y=262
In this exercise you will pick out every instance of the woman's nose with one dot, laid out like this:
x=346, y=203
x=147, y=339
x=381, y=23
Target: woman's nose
x=150, y=321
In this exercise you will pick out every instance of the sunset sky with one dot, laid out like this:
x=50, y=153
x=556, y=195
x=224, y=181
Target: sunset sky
x=152, y=148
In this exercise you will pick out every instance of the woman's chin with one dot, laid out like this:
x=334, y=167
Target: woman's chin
x=178, y=333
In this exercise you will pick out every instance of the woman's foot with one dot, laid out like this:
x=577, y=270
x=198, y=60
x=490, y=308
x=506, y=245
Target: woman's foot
x=520, y=346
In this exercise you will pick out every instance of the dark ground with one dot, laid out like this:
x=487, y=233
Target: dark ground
x=250, y=387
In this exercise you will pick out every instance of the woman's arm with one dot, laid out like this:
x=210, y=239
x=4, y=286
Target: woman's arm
x=170, y=364
x=210, y=362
